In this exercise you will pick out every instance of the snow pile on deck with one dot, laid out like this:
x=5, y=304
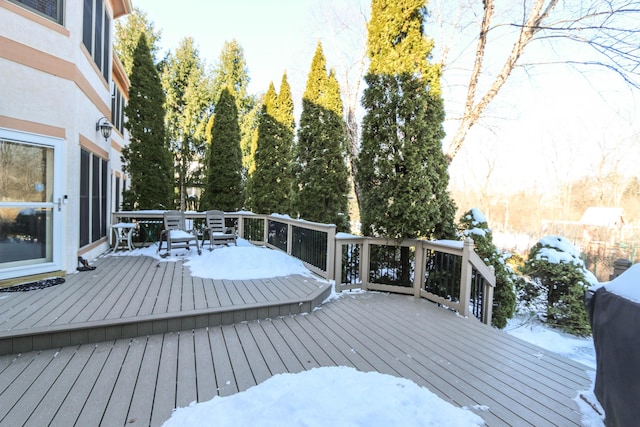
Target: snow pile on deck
x=243, y=262
x=331, y=396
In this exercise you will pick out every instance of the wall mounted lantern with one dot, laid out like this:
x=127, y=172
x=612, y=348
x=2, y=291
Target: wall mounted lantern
x=104, y=127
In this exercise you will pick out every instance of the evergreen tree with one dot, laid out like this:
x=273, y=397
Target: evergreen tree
x=321, y=174
x=474, y=224
x=284, y=106
x=231, y=72
x=127, y=33
x=188, y=107
x=147, y=158
x=269, y=187
x=402, y=171
x=223, y=185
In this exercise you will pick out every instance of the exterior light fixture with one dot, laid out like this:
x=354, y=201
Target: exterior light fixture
x=104, y=127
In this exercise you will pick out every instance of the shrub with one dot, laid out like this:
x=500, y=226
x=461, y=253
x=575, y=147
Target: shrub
x=557, y=275
x=474, y=224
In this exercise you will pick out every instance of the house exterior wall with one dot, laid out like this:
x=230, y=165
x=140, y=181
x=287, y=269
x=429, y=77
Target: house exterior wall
x=51, y=87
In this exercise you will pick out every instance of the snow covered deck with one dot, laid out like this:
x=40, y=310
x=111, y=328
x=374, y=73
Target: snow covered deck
x=136, y=375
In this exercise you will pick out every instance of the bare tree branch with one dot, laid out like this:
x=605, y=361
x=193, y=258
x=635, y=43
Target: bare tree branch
x=608, y=29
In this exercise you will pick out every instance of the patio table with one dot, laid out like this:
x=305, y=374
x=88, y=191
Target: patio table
x=123, y=231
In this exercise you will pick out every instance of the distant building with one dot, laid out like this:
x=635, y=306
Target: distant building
x=60, y=178
x=601, y=224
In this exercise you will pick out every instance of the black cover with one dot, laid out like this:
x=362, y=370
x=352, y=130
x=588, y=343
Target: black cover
x=616, y=335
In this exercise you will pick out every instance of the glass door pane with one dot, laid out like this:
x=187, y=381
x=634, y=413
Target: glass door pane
x=26, y=204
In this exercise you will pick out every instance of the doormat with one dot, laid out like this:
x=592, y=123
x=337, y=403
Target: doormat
x=40, y=284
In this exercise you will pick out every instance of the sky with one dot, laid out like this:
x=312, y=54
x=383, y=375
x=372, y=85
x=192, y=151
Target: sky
x=275, y=35
x=548, y=124
x=315, y=397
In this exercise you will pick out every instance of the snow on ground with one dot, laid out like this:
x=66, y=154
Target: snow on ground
x=333, y=395
x=570, y=346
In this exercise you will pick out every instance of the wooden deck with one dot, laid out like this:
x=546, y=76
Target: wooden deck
x=139, y=380
x=131, y=296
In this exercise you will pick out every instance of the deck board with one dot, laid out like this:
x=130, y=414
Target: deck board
x=117, y=409
x=254, y=353
x=225, y=380
x=205, y=374
x=144, y=391
x=165, y=391
x=186, y=383
x=175, y=302
x=240, y=365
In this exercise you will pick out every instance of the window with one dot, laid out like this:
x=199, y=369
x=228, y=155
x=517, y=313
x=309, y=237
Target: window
x=117, y=109
x=96, y=32
x=116, y=207
x=93, y=197
x=51, y=9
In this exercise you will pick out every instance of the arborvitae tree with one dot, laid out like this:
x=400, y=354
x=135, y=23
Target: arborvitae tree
x=127, y=32
x=269, y=187
x=321, y=174
x=223, y=184
x=401, y=169
x=284, y=105
x=231, y=72
x=474, y=224
x=147, y=159
x=188, y=103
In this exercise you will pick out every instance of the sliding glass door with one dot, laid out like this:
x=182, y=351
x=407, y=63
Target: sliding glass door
x=29, y=216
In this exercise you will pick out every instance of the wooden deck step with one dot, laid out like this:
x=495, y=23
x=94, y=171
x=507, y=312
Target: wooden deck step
x=127, y=297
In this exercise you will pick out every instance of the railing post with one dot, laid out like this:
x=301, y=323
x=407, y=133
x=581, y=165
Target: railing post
x=331, y=252
x=337, y=264
x=364, y=264
x=240, y=229
x=487, y=304
x=418, y=272
x=265, y=231
x=465, y=277
x=289, y=237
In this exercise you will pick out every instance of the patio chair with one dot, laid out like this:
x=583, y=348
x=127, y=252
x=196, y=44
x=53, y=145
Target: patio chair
x=175, y=233
x=216, y=230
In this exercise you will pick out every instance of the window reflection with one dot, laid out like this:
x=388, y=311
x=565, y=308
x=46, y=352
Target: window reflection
x=24, y=173
x=24, y=234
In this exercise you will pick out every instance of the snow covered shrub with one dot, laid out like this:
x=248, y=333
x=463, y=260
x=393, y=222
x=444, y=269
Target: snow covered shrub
x=558, y=276
x=473, y=224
